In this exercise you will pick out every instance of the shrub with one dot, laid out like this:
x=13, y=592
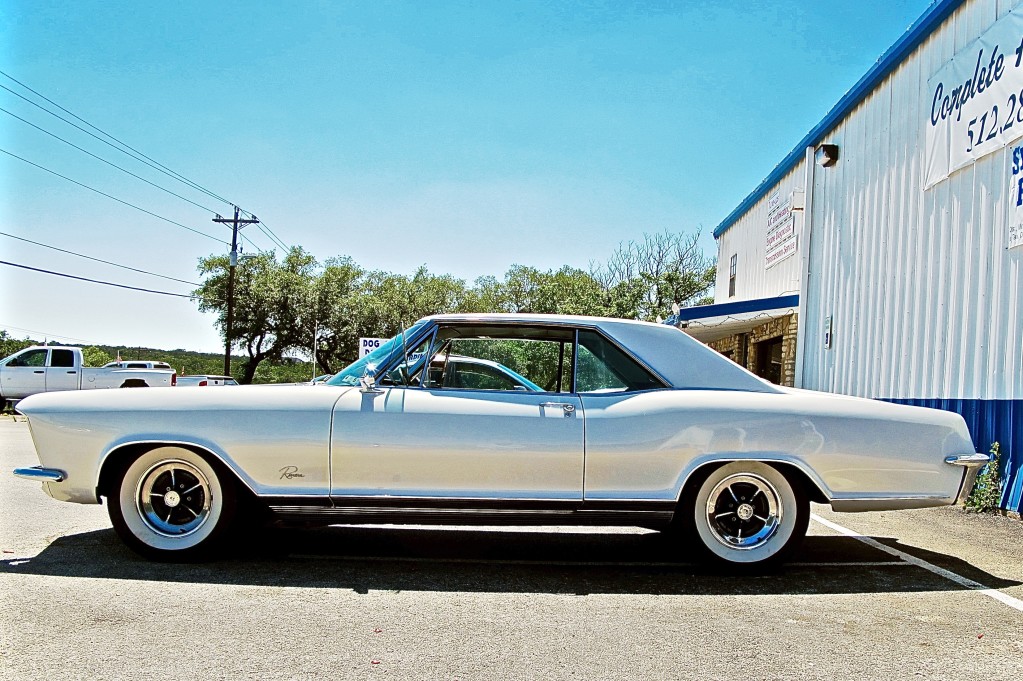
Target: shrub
x=986, y=494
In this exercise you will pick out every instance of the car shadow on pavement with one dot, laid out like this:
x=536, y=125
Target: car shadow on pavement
x=393, y=558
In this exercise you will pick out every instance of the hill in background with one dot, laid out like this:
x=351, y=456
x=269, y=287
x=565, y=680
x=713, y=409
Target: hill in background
x=289, y=370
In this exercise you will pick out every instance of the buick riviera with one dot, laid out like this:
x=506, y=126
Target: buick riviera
x=500, y=419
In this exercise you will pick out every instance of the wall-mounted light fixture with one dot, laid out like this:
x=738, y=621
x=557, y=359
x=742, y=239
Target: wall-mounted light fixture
x=826, y=155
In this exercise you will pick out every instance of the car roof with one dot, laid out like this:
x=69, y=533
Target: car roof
x=521, y=317
x=679, y=359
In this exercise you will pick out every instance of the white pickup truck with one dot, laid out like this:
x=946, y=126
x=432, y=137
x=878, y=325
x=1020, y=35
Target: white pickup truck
x=44, y=369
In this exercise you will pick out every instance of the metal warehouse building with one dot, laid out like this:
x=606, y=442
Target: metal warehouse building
x=883, y=257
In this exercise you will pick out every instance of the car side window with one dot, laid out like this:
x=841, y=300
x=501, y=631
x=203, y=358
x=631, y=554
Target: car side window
x=604, y=368
x=498, y=358
x=33, y=358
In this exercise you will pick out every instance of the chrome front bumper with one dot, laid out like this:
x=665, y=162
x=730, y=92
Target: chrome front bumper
x=41, y=474
x=972, y=463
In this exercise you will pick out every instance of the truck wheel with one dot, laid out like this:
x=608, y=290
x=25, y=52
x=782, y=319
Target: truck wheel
x=171, y=504
x=134, y=383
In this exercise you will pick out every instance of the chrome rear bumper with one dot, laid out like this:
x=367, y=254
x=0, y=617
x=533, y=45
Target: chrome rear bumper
x=972, y=463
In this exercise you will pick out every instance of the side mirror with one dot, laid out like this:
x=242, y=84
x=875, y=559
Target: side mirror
x=368, y=381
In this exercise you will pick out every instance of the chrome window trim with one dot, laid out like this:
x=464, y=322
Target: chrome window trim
x=433, y=327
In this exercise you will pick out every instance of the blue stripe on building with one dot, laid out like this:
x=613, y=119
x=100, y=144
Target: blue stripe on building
x=991, y=421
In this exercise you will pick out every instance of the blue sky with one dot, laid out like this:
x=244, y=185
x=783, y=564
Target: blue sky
x=464, y=136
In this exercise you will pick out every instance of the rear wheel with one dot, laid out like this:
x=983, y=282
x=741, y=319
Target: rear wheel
x=748, y=513
x=172, y=504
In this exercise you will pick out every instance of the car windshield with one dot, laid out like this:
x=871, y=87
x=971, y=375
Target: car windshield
x=351, y=374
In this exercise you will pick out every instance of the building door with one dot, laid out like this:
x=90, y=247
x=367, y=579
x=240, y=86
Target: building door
x=769, y=360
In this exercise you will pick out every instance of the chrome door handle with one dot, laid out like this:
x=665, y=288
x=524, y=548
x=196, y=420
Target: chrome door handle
x=567, y=408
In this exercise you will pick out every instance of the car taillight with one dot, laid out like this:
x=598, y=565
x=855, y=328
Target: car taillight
x=203, y=383
x=174, y=380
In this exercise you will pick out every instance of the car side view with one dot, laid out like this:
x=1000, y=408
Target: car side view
x=501, y=419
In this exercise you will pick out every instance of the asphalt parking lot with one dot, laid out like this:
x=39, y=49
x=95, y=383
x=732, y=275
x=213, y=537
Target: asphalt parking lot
x=933, y=594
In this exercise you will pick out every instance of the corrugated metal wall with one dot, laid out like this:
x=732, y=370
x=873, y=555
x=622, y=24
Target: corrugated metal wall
x=924, y=297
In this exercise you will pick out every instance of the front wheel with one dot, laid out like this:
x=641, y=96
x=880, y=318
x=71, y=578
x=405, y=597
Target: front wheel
x=172, y=504
x=748, y=513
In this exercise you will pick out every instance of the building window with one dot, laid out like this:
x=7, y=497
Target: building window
x=731, y=275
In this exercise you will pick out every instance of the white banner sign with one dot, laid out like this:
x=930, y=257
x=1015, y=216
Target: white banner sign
x=975, y=101
x=781, y=231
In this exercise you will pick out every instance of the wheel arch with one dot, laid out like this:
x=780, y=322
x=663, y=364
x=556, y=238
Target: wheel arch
x=795, y=472
x=119, y=457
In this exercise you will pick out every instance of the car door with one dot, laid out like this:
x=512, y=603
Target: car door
x=25, y=374
x=429, y=441
x=61, y=372
x=413, y=442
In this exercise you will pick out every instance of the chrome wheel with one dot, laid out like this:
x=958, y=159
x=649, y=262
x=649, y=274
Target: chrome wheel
x=171, y=503
x=747, y=513
x=744, y=511
x=173, y=498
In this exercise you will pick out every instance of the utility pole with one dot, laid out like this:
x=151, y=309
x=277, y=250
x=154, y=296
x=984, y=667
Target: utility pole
x=237, y=223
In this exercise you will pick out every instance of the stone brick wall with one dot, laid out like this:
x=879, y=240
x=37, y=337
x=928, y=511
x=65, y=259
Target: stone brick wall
x=742, y=348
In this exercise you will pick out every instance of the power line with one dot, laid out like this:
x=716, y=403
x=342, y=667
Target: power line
x=105, y=262
x=265, y=228
x=126, y=147
x=50, y=335
x=114, y=165
x=273, y=238
x=132, y=205
x=98, y=281
x=129, y=151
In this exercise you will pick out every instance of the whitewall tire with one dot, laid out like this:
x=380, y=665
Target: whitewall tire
x=172, y=504
x=748, y=513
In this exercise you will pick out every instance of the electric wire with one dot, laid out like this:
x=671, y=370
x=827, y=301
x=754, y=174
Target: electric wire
x=105, y=262
x=98, y=281
x=273, y=237
x=132, y=205
x=126, y=147
x=114, y=165
x=265, y=228
x=134, y=154
x=49, y=335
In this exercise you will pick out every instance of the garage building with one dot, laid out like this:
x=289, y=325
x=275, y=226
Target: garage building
x=883, y=257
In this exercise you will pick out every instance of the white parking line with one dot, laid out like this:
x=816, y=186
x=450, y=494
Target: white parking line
x=947, y=574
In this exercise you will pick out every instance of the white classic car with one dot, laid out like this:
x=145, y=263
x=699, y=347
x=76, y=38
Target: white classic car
x=629, y=423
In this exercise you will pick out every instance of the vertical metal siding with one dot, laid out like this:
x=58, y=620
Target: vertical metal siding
x=747, y=240
x=923, y=295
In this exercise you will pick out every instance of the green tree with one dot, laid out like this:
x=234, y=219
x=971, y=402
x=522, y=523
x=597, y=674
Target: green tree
x=272, y=303
x=339, y=310
x=10, y=345
x=94, y=357
x=565, y=291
